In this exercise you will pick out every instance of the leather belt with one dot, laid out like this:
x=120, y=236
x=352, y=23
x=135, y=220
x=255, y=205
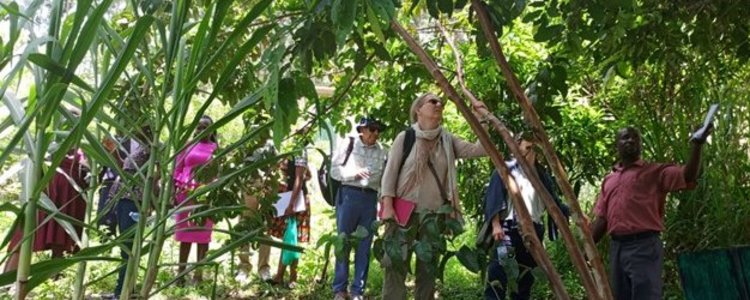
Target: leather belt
x=361, y=189
x=634, y=236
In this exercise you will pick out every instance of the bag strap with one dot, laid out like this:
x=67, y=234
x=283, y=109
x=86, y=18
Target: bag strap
x=410, y=138
x=440, y=184
x=349, y=150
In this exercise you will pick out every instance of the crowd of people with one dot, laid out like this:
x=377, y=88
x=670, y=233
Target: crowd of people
x=417, y=174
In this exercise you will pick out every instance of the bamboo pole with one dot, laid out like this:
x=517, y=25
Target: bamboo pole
x=570, y=243
x=527, y=227
x=31, y=179
x=532, y=118
x=79, y=289
x=133, y=264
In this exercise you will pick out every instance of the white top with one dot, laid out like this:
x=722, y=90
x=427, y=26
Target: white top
x=363, y=156
x=534, y=203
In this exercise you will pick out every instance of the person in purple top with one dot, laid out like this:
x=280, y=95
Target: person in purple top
x=630, y=208
x=189, y=232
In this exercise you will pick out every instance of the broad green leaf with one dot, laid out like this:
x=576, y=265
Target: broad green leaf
x=339, y=242
x=375, y=24
x=384, y=9
x=446, y=6
x=343, y=14
x=544, y=33
x=378, y=251
x=424, y=251
x=305, y=87
x=360, y=232
x=468, y=258
x=445, y=209
x=455, y=226
x=460, y=4
x=432, y=8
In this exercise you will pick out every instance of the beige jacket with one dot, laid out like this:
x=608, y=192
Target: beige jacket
x=425, y=193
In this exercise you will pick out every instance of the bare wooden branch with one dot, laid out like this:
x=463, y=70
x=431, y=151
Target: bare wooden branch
x=527, y=228
x=570, y=243
x=575, y=253
x=532, y=118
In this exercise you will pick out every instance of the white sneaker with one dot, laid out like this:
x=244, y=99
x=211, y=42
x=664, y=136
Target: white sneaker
x=265, y=274
x=357, y=297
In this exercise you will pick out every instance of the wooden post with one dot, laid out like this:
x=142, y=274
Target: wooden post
x=527, y=227
x=532, y=118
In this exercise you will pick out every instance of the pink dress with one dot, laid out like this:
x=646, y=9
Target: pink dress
x=191, y=158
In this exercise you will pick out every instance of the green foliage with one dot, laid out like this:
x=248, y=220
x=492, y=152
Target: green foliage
x=588, y=67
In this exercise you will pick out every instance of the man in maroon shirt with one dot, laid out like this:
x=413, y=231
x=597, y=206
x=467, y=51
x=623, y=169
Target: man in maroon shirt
x=630, y=208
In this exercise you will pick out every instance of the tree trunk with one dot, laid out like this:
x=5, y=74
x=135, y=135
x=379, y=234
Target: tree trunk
x=527, y=227
x=532, y=118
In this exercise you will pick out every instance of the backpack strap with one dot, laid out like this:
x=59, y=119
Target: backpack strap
x=409, y=139
x=349, y=150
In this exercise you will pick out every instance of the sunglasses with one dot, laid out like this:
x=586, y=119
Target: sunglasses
x=434, y=101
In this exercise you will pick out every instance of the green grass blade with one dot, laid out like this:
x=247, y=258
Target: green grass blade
x=50, y=65
x=102, y=95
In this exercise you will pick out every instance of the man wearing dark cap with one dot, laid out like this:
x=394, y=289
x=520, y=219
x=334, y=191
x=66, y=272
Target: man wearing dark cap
x=359, y=166
x=630, y=208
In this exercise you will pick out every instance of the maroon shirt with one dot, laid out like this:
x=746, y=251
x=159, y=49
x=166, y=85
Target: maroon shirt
x=632, y=199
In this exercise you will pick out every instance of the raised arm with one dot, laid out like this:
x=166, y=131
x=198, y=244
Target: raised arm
x=693, y=165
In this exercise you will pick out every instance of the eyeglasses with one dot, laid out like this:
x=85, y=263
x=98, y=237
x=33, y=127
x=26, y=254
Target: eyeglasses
x=434, y=101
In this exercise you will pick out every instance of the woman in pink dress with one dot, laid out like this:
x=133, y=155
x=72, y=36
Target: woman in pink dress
x=187, y=231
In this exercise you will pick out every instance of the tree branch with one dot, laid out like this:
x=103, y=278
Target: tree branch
x=570, y=243
x=533, y=119
x=527, y=227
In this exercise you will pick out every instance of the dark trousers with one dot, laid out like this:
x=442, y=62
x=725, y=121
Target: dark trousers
x=635, y=268
x=107, y=216
x=354, y=207
x=526, y=263
x=124, y=221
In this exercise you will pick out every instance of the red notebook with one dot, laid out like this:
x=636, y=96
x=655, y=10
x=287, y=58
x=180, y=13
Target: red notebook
x=403, y=209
